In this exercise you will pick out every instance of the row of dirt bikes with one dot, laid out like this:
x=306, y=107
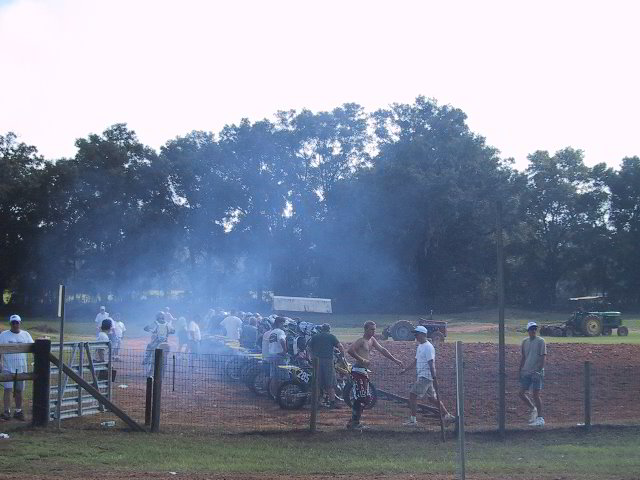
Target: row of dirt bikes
x=294, y=388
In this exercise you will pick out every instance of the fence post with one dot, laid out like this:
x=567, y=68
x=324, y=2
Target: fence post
x=158, y=368
x=314, y=396
x=81, y=374
x=41, y=382
x=147, y=403
x=460, y=407
x=587, y=396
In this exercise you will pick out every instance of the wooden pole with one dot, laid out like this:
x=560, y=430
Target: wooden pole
x=314, y=396
x=158, y=368
x=147, y=403
x=587, y=396
x=61, y=296
x=502, y=409
x=42, y=369
x=460, y=407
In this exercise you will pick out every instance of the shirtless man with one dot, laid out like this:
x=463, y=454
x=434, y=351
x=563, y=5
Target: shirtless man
x=360, y=350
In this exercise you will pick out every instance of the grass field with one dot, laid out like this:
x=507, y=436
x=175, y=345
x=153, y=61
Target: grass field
x=349, y=327
x=604, y=453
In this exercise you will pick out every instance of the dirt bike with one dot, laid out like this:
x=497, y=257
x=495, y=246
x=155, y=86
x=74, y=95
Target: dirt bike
x=294, y=393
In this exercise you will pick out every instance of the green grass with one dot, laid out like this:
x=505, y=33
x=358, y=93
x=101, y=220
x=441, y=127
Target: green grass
x=349, y=327
x=605, y=453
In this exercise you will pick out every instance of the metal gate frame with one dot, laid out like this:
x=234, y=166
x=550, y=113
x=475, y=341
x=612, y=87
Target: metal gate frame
x=76, y=401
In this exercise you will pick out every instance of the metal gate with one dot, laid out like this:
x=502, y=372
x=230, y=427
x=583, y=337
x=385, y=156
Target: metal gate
x=92, y=362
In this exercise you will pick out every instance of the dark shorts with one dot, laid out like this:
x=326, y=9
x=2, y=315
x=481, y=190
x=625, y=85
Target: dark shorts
x=326, y=373
x=534, y=381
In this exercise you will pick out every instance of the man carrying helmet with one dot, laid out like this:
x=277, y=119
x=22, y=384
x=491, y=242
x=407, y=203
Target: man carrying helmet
x=160, y=331
x=14, y=363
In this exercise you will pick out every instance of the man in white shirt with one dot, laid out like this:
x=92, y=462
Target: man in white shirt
x=276, y=354
x=102, y=315
x=425, y=365
x=232, y=326
x=193, y=342
x=14, y=363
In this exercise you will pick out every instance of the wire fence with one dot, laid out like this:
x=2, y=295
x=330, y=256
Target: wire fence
x=225, y=392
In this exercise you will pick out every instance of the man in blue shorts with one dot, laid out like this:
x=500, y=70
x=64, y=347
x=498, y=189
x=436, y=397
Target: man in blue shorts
x=531, y=373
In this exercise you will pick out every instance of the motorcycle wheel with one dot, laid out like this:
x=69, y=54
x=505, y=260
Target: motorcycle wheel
x=292, y=395
x=347, y=395
x=257, y=381
x=232, y=367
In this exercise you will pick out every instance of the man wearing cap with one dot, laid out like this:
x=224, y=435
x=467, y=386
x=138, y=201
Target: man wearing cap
x=425, y=364
x=321, y=346
x=14, y=363
x=102, y=315
x=531, y=373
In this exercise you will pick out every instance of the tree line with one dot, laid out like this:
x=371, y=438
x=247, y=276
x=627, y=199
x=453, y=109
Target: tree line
x=386, y=211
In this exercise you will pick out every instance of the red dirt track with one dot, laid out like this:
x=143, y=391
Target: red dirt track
x=200, y=398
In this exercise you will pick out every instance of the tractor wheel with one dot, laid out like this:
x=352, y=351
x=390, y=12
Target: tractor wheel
x=606, y=331
x=569, y=332
x=623, y=331
x=402, y=330
x=592, y=325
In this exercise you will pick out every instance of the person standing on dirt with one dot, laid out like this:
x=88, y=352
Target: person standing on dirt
x=531, y=373
x=360, y=350
x=13, y=363
x=321, y=346
x=276, y=345
x=100, y=316
x=424, y=385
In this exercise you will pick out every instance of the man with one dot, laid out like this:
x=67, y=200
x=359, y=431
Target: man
x=160, y=331
x=249, y=334
x=276, y=346
x=14, y=363
x=427, y=380
x=232, y=325
x=360, y=350
x=321, y=346
x=193, y=343
x=531, y=373
x=101, y=315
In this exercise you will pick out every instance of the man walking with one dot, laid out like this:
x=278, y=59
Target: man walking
x=360, y=350
x=14, y=363
x=427, y=380
x=100, y=316
x=321, y=346
x=531, y=373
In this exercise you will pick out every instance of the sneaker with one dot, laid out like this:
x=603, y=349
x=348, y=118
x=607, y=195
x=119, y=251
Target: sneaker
x=449, y=419
x=19, y=415
x=6, y=416
x=410, y=423
x=533, y=415
x=539, y=422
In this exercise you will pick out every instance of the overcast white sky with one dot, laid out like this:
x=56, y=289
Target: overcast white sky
x=529, y=75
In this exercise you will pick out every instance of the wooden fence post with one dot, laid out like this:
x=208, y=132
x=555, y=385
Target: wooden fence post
x=42, y=370
x=460, y=409
x=158, y=369
x=587, y=396
x=314, y=396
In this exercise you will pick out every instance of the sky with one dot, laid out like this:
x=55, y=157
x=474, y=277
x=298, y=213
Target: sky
x=530, y=75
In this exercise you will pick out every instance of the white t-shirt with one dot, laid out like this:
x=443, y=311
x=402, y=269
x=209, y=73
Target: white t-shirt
x=103, y=337
x=275, y=336
x=194, y=331
x=15, y=361
x=424, y=353
x=232, y=326
x=265, y=344
x=100, y=317
x=119, y=329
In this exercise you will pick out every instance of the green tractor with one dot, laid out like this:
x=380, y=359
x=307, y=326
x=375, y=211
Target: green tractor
x=590, y=318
